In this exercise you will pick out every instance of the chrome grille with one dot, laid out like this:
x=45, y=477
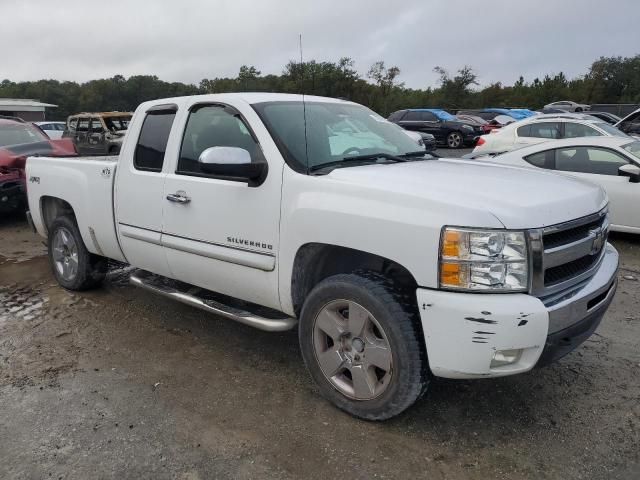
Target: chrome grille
x=567, y=254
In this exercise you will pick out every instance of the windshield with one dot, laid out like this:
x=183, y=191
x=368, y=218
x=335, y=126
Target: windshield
x=117, y=123
x=20, y=133
x=334, y=132
x=610, y=129
x=633, y=148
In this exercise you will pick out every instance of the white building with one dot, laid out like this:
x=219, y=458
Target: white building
x=27, y=109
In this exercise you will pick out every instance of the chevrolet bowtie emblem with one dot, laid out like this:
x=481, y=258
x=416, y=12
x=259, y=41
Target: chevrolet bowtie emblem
x=598, y=240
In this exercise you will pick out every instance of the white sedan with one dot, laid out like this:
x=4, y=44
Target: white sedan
x=543, y=128
x=611, y=162
x=569, y=106
x=53, y=130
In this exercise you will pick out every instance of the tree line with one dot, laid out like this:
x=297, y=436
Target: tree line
x=608, y=80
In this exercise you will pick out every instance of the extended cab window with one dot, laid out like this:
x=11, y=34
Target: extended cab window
x=599, y=161
x=213, y=126
x=152, y=143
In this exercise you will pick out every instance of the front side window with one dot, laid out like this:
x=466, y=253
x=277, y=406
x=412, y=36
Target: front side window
x=574, y=130
x=213, y=126
x=323, y=141
x=428, y=117
x=599, y=161
x=152, y=143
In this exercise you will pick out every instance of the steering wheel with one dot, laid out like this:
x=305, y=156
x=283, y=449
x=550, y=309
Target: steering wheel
x=351, y=150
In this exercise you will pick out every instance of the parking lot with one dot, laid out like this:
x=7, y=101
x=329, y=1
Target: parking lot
x=118, y=382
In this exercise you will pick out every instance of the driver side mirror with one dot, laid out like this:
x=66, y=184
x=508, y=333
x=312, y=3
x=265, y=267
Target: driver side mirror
x=234, y=163
x=631, y=171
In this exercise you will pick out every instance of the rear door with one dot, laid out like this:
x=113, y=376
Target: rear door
x=223, y=235
x=140, y=190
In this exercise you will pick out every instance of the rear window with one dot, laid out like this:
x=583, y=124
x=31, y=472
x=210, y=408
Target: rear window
x=152, y=143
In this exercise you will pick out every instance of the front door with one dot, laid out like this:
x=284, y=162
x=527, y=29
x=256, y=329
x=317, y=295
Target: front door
x=220, y=233
x=600, y=166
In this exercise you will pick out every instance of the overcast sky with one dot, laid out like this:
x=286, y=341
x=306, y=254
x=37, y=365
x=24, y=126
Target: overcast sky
x=187, y=40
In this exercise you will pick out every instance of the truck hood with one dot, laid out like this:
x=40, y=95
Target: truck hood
x=518, y=197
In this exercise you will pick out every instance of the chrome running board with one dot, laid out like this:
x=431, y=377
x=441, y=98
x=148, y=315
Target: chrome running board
x=179, y=291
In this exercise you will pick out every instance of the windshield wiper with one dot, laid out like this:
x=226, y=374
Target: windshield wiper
x=357, y=158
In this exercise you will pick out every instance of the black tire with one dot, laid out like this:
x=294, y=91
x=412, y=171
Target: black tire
x=455, y=140
x=91, y=269
x=578, y=109
x=397, y=314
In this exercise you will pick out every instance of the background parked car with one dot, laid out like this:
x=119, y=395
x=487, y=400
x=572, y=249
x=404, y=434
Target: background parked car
x=446, y=128
x=18, y=140
x=610, y=118
x=611, y=162
x=53, y=130
x=474, y=120
x=630, y=124
x=99, y=133
x=569, y=106
x=542, y=128
x=515, y=113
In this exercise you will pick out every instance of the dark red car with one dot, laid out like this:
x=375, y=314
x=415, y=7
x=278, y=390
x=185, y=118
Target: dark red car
x=19, y=140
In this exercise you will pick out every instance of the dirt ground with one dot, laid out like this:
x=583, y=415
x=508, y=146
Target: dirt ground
x=119, y=383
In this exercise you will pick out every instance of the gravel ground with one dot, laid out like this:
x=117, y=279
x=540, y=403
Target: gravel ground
x=118, y=383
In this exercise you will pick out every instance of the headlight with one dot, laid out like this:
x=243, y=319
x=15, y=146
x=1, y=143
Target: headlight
x=483, y=260
x=467, y=127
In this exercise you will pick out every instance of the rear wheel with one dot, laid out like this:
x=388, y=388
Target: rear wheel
x=361, y=342
x=578, y=109
x=74, y=267
x=454, y=140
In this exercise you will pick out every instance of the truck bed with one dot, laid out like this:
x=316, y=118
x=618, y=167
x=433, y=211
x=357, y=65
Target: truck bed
x=87, y=184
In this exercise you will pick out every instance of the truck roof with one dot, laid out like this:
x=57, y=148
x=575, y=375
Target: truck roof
x=250, y=97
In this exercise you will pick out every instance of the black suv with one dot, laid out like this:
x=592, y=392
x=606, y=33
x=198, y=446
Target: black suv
x=447, y=129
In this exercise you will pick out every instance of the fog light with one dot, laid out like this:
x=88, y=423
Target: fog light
x=505, y=357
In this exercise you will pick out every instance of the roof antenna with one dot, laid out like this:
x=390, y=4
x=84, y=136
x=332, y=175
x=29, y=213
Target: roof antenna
x=304, y=105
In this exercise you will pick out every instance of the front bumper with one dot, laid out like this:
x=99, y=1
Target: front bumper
x=463, y=331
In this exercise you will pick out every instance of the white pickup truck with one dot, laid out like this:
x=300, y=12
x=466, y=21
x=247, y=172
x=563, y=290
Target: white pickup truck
x=280, y=211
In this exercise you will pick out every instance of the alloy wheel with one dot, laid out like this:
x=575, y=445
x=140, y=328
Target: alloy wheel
x=352, y=350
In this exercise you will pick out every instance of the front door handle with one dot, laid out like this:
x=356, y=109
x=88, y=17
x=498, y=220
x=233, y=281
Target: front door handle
x=178, y=197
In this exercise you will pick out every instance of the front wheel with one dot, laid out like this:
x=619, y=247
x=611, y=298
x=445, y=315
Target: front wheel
x=361, y=341
x=74, y=267
x=454, y=140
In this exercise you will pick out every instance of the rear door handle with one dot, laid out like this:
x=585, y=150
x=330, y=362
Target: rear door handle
x=178, y=197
